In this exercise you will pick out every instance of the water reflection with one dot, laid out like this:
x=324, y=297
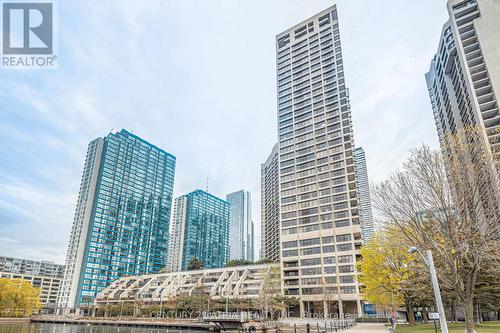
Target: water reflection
x=62, y=328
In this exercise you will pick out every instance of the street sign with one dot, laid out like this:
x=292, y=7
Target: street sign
x=433, y=316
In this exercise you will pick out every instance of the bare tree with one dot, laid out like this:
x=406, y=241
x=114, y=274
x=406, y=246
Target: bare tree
x=450, y=205
x=270, y=292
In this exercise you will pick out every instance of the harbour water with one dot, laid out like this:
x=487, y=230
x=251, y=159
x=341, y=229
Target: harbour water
x=25, y=327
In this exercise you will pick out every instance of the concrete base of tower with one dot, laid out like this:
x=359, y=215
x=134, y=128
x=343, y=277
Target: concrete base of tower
x=322, y=309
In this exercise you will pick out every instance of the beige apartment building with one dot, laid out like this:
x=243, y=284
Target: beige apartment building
x=464, y=82
x=45, y=275
x=270, y=210
x=319, y=207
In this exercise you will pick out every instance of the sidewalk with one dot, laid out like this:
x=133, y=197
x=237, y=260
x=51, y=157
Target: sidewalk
x=367, y=328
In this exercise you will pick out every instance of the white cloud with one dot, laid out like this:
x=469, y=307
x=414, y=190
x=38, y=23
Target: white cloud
x=197, y=79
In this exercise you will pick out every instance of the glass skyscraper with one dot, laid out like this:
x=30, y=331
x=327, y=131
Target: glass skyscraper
x=200, y=230
x=122, y=216
x=241, y=226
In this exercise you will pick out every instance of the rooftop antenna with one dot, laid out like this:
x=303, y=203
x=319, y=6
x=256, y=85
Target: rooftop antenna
x=206, y=188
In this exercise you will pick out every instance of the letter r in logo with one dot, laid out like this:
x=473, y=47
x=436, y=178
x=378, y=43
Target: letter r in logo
x=27, y=28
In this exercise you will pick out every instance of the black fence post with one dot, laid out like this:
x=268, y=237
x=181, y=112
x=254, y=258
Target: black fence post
x=308, y=328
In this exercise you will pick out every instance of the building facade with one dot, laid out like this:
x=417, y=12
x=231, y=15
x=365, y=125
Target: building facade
x=241, y=226
x=200, y=231
x=177, y=229
x=319, y=207
x=121, y=222
x=49, y=287
x=365, y=203
x=270, y=210
x=45, y=275
x=31, y=267
x=464, y=85
x=242, y=282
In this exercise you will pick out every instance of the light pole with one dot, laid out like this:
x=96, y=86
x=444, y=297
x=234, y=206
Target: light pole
x=429, y=262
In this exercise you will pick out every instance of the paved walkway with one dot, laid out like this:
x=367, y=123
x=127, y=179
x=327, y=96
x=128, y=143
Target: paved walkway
x=367, y=328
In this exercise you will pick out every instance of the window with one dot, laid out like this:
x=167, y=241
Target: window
x=330, y=280
x=327, y=239
x=309, y=228
x=345, y=259
x=309, y=242
x=310, y=262
x=346, y=279
x=344, y=247
x=309, y=251
x=311, y=271
x=346, y=269
x=343, y=238
x=329, y=270
x=289, y=253
x=342, y=223
x=309, y=281
x=348, y=290
x=328, y=248
x=289, y=244
x=328, y=260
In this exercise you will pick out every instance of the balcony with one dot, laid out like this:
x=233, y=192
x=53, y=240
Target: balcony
x=489, y=113
x=472, y=62
x=469, y=41
x=471, y=48
x=467, y=18
x=485, y=82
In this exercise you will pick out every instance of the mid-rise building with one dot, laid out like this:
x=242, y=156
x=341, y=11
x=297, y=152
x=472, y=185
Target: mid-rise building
x=241, y=282
x=200, y=230
x=240, y=226
x=31, y=267
x=270, y=210
x=45, y=275
x=121, y=222
x=319, y=201
x=365, y=204
x=49, y=287
x=464, y=85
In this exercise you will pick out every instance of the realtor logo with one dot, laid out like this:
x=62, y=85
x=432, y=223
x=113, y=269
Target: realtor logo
x=27, y=29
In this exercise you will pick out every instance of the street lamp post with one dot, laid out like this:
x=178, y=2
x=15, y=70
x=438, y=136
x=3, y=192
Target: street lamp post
x=429, y=262
x=161, y=306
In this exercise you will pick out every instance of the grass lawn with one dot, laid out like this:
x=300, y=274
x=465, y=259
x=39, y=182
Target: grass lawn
x=485, y=327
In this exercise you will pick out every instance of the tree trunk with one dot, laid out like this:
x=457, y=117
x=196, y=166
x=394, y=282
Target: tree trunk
x=477, y=312
x=453, y=312
x=411, y=313
x=470, y=325
x=424, y=315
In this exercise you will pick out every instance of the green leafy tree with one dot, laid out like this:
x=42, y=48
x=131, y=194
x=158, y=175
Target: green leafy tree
x=195, y=264
x=263, y=261
x=448, y=203
x=388, y=273
x=238, y=262
x=18, y=298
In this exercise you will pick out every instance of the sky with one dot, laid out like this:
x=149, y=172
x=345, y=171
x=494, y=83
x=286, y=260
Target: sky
x=196, y=78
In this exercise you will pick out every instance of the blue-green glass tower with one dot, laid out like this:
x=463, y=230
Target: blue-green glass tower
x=201, y=230
x=121, y=222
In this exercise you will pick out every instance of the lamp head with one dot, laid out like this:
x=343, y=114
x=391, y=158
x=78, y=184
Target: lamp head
x=412, y=249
